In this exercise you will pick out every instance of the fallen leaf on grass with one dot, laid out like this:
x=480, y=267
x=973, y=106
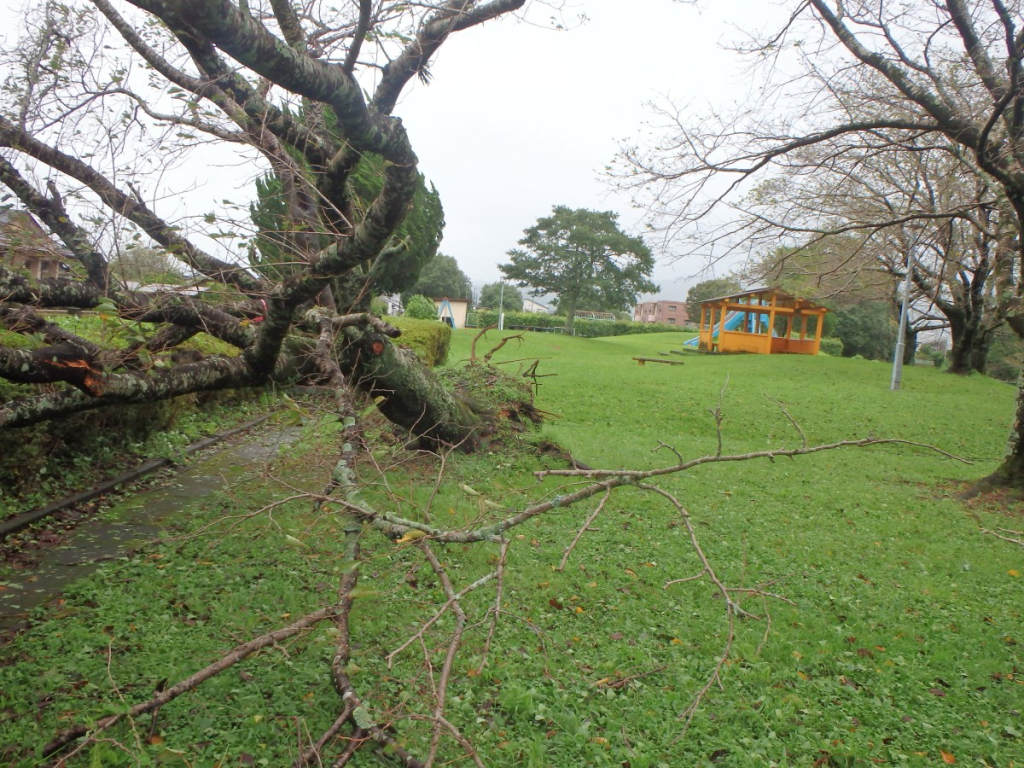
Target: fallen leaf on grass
x=411, y=535
x=947, y=758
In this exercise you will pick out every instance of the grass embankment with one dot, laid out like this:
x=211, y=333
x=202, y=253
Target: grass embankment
x=902, y=641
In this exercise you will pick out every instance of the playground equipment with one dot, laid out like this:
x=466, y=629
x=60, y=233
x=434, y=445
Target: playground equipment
x=445, y=314
x=764, y=321
x=733, y=320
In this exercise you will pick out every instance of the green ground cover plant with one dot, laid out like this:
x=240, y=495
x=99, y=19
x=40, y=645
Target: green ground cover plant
x=894, y=637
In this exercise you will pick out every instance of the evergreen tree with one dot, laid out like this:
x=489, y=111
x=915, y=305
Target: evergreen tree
x=584, y=258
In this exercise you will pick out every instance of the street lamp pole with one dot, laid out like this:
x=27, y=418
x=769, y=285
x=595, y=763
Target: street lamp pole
x=897, y=359
x=501, y=307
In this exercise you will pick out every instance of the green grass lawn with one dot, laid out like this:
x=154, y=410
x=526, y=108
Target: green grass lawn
x=899, y=640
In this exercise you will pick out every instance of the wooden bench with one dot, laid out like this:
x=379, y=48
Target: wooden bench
x=642, y=360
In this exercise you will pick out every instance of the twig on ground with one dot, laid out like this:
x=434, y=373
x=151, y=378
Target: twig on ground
x=1011, y=539
x=796, y=426
x=452, y=601
x=502, y=343
x=583, y=529
x=472, y=346
x=234, y=656
x=718, y=416
x=495, y=610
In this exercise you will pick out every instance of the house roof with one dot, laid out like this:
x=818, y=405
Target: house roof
x=21, y=233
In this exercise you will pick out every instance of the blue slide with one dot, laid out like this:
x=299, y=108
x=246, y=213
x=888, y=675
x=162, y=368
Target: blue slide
x=733, y=320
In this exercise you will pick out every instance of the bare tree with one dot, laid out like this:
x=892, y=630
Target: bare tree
x=866, y=78
x=885, y=211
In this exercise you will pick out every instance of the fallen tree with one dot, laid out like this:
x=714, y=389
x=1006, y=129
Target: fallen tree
x=343, y=213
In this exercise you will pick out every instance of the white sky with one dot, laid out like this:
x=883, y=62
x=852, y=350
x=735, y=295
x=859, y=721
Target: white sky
x=519, y=118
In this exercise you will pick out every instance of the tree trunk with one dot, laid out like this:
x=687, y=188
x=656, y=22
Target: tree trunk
x=979, y=355
x=909, y=346
x=969, y=350
x=409, y=393
x=568, y=302
x=1010, y=473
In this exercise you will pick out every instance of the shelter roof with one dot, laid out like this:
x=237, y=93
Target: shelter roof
x=780, y=295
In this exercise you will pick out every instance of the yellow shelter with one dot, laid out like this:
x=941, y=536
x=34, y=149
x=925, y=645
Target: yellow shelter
x=765, y=321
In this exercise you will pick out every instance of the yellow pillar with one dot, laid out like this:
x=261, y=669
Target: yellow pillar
x=819, y=329
x=702, y=332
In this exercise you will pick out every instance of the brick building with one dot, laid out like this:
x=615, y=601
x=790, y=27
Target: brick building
x=666, y=312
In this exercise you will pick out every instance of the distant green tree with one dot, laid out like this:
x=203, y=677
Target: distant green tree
x=491, y=295
x=708, y=289
x=421, y=308
x=145, y=266
x=868, y=329
x=441, y=277
x=584, y=258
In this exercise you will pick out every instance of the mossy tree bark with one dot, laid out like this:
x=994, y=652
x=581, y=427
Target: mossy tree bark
x=408, y=393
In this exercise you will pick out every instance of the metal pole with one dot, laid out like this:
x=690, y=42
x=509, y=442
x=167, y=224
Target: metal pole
x=501, y=307
x=897, y=360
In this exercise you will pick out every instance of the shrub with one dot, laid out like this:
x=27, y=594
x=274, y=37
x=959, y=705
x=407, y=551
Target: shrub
x=937, y=357
x=420, y=308
x=1005, y=356
x=832, y=347
x=867, y=329
x=428, y=338
x=378, y=306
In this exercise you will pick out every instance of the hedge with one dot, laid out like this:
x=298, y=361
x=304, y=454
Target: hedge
x=831, y=346
x=429, y=338
x=555, y=323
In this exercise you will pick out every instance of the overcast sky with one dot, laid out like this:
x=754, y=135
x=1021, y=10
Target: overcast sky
x=518, y=118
